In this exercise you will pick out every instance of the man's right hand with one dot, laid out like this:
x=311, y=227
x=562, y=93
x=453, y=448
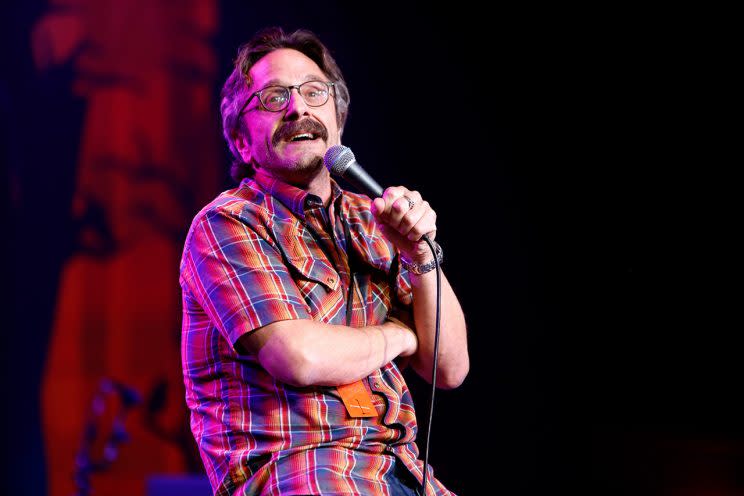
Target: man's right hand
x=409, y=336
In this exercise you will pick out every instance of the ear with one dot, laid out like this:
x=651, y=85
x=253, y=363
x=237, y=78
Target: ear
x=243, y=147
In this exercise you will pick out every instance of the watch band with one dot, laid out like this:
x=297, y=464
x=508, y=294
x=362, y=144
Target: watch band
x=419, y=269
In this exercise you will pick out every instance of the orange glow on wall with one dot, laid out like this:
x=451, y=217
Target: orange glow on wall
x=149, y=157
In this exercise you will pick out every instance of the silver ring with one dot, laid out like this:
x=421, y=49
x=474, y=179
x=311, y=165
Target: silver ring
x=411, y=203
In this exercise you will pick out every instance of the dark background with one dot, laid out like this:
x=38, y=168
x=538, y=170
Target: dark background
x=585, y=208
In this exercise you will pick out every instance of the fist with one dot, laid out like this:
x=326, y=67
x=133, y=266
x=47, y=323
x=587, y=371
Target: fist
x=404, y=218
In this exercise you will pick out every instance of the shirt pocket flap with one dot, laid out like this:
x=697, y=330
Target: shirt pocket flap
x=318, y=270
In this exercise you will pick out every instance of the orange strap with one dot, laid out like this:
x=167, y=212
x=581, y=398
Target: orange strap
x=357, y=400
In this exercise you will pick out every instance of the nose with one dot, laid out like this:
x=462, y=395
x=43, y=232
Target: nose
x=296, y=105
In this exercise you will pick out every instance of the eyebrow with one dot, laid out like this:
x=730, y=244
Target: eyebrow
x=306, y=78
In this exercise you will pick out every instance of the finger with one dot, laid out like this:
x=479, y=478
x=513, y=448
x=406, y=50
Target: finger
x=391, y=196
x=399, y=209
x=393, y=193
x=412, y=217
x=412, y=198
x=394, y=204
x=403, y=205
x=427, y=224
x=378, y=207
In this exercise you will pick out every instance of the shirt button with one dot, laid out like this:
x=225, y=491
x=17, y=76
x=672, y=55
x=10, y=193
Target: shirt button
x=377, y=384
x=330, y=280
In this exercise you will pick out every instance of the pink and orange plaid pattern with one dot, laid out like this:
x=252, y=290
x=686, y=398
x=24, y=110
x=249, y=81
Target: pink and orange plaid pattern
x=267, y=251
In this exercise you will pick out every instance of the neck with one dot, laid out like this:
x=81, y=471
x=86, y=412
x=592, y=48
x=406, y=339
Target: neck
x=320, y=185
x=317, y=182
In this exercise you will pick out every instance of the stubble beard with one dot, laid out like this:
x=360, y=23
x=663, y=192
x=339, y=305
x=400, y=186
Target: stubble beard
x=295, y=172
x=305, y=163
x=308, y=164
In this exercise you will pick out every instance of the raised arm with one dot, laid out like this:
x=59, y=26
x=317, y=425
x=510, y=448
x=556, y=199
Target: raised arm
x=404, y=223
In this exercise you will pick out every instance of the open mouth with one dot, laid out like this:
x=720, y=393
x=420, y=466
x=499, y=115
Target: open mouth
x=304, y=137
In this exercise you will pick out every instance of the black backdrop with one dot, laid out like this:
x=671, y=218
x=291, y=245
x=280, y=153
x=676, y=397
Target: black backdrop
x=584, y=211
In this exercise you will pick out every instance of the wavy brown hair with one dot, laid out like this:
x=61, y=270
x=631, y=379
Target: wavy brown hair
x=236, y=92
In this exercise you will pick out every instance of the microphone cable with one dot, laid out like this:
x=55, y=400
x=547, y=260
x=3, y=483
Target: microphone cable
x=435, y=361
x=341, y=162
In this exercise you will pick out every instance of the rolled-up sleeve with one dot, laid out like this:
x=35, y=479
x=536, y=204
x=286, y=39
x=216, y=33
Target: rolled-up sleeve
x=238, y=276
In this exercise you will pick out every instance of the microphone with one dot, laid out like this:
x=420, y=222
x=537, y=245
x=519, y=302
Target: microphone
x=340, y=161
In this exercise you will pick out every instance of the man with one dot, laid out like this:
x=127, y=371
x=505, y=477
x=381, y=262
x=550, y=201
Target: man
x=296, y=294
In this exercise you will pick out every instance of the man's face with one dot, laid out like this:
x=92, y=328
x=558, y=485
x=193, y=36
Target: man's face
x=290, y=143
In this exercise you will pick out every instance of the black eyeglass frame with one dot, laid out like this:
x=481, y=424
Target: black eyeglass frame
x=289, y=89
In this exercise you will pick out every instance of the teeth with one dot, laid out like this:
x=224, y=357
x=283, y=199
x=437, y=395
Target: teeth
x=306, y=135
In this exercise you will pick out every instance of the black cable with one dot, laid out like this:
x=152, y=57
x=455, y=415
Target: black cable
x=436, y=359
x=349, y=307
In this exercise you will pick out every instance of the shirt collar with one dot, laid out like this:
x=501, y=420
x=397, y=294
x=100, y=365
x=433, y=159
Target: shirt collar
x=295, y=199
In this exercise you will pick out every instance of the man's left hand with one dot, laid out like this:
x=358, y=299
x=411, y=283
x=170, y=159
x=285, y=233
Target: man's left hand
x=404, y=218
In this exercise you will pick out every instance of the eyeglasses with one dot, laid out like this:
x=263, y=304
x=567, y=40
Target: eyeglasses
x=276, y=98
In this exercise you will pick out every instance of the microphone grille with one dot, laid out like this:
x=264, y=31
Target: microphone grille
x=338, y=158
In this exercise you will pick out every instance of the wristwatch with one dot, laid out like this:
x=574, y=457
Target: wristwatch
x=419, y=269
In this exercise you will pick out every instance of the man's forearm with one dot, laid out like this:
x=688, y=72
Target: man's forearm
x=305, y=352
x=454, y=362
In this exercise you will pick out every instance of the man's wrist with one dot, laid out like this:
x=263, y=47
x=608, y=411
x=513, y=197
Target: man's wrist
x=422, y=268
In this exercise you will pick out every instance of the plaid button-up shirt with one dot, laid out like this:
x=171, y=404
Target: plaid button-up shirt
x=264, y=252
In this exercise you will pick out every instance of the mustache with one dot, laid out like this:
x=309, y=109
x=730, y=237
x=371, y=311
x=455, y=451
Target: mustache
x=297, y=127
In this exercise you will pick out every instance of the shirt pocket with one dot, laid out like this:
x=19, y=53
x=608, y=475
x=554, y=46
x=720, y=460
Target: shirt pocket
x=316, y=272
x=312, y=267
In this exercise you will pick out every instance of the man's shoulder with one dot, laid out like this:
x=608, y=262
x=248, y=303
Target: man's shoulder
x=244, y=201
x=216, y=221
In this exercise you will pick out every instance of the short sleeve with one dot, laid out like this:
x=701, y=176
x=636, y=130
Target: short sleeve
x=403, y=288
x=238, y=276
